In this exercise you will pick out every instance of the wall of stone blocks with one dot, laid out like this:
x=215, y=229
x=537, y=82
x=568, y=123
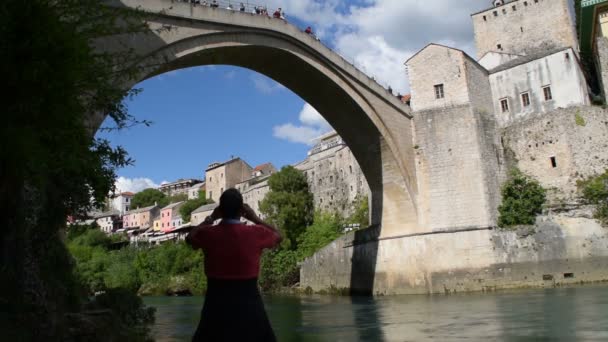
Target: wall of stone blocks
x=435, y=65
x=458, y=167
x=580, y=148
x=557, y=250
x=560, y=71
x=541, y=24
x=335, y=179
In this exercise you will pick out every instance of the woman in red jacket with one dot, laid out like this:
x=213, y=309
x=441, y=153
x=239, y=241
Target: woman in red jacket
x=233, y=309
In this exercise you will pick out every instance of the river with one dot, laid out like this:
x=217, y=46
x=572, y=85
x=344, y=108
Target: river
x=565, y=314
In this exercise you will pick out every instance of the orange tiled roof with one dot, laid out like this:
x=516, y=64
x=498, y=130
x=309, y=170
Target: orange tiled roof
x=405, y=98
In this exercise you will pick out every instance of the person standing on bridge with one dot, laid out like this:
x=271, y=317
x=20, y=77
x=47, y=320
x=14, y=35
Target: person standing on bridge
x=233, y=309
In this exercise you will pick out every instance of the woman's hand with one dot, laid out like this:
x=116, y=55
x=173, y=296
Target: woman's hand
x=249, y=214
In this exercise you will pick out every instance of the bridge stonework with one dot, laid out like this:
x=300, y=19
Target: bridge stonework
x=376, y=126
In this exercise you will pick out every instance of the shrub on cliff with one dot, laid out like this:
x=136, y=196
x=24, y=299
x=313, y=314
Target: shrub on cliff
x=595, y=191
x=522, y=200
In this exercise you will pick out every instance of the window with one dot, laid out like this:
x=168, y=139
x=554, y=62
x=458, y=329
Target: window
x=127, y=199
x=553, y=162
x=567, y=56
x=504, y=105
x=350, y=168
x=495, y=14
x=504, y=11
x=525, y=99
x=210, y=179
x=514, y=8
x=522, y=29
x=221, y=175
x=485, y=18
x=331, y=179
x=499, y=46
x=547, y=92
x=525, y=3
x=439, y=91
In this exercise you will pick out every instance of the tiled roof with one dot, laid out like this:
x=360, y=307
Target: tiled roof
x=173, y=205
x=261, y=167
x=140, y=210
x=127, y=193
x=206, y=207
x=406, y=97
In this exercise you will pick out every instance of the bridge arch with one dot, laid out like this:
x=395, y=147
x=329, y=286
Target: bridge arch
x=374, y=124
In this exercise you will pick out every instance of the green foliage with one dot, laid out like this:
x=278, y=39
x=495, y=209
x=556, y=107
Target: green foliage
x=325, y=229
x=289, y=204
x=280, y=267
x=178, y=198
x=522, y=200
x=360, y=211
x=579, y=120
x=52, y=166
x=595, y=191
x=148, y=197
x=147, y=270
x=187, y=208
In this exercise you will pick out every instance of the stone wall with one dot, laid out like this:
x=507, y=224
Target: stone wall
x=557, y=250
x=254, y=191
x=458, y=168
x=335, y=179
x=435, y=65
x=560, y=71
x=538, y=25
x=580, y=148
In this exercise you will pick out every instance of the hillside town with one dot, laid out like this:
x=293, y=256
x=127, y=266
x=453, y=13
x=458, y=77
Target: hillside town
x=334, y=177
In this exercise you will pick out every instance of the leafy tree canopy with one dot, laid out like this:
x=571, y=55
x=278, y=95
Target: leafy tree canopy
x=522, y=200
x=187, y=208
x=288, y=204
x=148, y=197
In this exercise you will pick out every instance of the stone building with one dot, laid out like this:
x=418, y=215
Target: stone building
x=181, y=186
x=121, y=202
x=334, y=176
x=522, y=27
x=469, y=114
x=593, y=36
x=108, y=221
x=458, y=160
x=222, y=176
x=199, y=214
x=194, y=190
x=140, y=218
x=256, y=187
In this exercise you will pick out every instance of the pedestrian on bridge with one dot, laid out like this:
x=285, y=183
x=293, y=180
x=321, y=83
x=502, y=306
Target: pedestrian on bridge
x=233, y=309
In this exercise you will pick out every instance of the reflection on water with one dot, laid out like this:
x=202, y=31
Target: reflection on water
x=575, y=314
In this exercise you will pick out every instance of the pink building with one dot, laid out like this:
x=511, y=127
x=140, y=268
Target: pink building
x=168, y=214
x=140, y=218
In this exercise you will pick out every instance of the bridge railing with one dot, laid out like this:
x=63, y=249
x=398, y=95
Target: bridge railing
x=259, y=9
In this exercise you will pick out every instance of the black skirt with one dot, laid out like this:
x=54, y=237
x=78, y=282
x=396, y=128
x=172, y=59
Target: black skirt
x=233, y=311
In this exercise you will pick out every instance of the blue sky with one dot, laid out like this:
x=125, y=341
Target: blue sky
x=207, y=114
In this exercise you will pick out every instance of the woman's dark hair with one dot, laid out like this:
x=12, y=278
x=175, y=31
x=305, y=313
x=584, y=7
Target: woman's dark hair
x=231, y=203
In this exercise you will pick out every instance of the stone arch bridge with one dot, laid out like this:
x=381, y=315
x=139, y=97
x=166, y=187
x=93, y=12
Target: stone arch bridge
x=373, y=122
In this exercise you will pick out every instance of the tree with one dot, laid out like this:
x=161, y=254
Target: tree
x=595, y=191
x=522, y=200
x=288, y=204
x=52, y=166
x=360, y=215
x=149, y=197
x=191, y=205
x=325, y=229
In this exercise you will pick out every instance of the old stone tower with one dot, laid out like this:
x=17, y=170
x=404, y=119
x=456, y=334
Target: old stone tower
x=523, y=26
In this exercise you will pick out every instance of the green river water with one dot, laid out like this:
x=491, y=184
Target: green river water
x=562, y=314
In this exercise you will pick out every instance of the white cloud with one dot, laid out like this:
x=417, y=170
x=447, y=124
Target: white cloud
x=265, y=85
x=380, y=35
x=311, y=126
x=297, y=134
x=134, y=184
